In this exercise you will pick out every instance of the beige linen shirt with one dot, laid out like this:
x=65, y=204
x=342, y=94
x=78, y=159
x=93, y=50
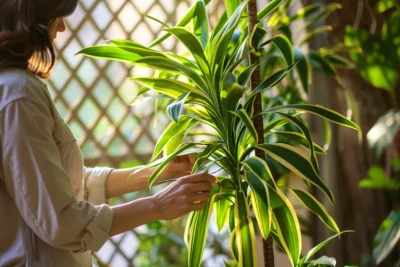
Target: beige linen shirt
x=52, y=210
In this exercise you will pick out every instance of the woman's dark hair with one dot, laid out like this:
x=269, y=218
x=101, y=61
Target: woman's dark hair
x=25, y=41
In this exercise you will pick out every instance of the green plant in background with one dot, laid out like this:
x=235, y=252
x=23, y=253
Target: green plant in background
x=388, y=235
x=160, y=245
x=377, y=58
x=212, y=89
x=298, y=27
x=379, y=64
x=380, y=138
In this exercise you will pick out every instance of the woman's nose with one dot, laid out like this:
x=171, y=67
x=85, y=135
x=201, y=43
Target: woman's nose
x=61, y=25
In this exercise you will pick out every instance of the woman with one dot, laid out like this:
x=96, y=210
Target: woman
x=51, y=207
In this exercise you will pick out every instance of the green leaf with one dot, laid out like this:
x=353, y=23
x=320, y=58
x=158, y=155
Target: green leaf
x=242, y=114
x=207, y=122
x=217, y=28
x=230, y=264
x=245, y=76
x=230, y=98
x=231, y=222
x=395, y=163
x=260, y=169
x=327, y=134
x=321, y=15
x=208, y=152
x=200, y=22
x=377, y=180
x=339, y=61
x=270, y=82
x=173, y=144
x=295, y=160
x=278, y=123
x=193, y=45
x=155, y=19
x=268, y=9
x=318, y=110
x=219, y=44
x=139, y=101
x=166, y=64
x=318, y=247
x=391, y=31
x=298, y=138
x=377, y=61
x=256, y=37
x=199, y=233
x=200, y=111
x=160, y=161
x=324, y=260
x=303, y=128
x=172, y=88
x=191, y=13
x=387, y=237
x=110, y=52
x=320, y=63
x=286, y=224
x=245, y=235
x=260, y=200
x=221, y=212
x=189, y=226
x=174, y=110
x=314, y=32
x=303, y=68
x=384, y=5
x=231, y=5
x=307, y=11
x=232, y=241
x=382, y=134
x=317, y=208
x=142, y=90
x=135, y=47
x=285, y=46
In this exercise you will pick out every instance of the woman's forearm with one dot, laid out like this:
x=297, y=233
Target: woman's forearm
x=118, y=183
x=133, y=214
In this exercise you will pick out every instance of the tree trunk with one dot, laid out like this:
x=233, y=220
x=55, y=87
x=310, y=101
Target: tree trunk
x=356, y=209
x=268, y=249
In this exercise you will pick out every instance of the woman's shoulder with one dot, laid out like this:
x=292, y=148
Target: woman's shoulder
x=17, y=84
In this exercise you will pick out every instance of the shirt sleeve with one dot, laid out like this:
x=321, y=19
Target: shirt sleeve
x=95, y=184
x=40, y=186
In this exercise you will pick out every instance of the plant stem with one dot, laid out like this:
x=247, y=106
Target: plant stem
x=268, y=249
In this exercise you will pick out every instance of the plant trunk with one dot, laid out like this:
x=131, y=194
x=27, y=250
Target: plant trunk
x=362, y=210
x=268, y=249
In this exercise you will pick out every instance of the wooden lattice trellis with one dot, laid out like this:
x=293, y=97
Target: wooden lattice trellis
x=94, y=95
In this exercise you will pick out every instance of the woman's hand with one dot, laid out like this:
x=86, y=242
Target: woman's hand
x=179, y=166
x=187, y=194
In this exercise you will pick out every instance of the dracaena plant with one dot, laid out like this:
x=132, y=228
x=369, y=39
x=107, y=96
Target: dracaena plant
x=211, y=87
x=325, y=59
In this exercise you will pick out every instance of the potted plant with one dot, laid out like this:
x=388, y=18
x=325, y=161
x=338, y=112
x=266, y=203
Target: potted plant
x=213, y=86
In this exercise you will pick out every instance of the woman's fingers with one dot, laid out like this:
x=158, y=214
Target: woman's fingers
x=199, y=198
x=197, y=187
x=192, y=159
x=198, y=178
